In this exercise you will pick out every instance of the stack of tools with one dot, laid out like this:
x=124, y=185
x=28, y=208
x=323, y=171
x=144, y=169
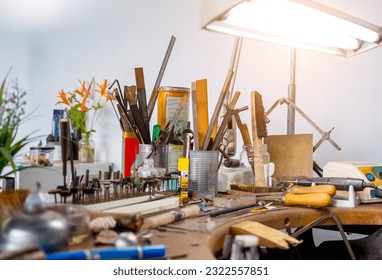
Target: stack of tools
x=207, y=135
x=134, y=112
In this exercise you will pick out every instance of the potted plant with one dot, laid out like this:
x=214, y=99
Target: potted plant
x=12, y=104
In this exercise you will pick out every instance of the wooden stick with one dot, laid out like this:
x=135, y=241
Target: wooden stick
x=141, y=95
x=224, y=123
x=217, y=110
x=195, y=116
x=201, y=100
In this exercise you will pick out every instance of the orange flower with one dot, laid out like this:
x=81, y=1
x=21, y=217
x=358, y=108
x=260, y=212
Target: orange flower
x=103, y=91
x=62, y=94
x=83, y=104
x=81, y=91
x=84, y=91
x=102, y=87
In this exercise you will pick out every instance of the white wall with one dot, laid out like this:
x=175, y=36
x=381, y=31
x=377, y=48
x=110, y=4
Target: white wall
x=109, y=38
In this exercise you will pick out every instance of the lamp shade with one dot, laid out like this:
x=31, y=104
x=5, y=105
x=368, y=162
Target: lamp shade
x=297, y=23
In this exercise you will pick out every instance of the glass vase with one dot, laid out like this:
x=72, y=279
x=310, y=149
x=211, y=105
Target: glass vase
x=86, y=150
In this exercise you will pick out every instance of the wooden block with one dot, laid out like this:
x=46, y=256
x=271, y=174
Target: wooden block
x=291, y=154
x=268, y=237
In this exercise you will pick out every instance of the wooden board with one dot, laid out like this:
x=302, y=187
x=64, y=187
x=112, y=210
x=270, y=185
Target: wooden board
x=291, y=154
x=268, y=237
x=202, y=109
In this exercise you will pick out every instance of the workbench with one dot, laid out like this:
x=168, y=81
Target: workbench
x=200, y=237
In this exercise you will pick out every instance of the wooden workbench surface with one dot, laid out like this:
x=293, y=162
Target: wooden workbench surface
x=197, y=238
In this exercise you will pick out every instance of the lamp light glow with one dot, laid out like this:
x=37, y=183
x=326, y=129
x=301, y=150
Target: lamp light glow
x=294, y=22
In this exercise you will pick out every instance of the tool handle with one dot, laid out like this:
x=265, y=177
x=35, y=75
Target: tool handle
x=169, y=217
x=329, y=189
x=310, y=199
x=129, y=253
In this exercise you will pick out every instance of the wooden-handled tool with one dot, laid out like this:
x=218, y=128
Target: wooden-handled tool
x=329, y=189
x=141, y=96
x=310, y=198
x=170, y=217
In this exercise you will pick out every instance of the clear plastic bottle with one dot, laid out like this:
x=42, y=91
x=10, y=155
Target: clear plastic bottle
x=246, y=161
x=249, y=155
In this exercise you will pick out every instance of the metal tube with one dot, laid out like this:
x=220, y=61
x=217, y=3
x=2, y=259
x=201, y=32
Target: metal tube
x=292, y=94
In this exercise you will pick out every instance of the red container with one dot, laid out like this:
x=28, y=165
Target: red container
x=130, y=151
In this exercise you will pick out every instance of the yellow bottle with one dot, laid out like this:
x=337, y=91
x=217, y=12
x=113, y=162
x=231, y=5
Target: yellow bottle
x=183, y=168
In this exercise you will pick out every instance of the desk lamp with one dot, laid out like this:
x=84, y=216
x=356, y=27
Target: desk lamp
x=297, y=23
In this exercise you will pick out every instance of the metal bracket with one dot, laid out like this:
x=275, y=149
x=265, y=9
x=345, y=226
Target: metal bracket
x=321, y=219
x=324, y=135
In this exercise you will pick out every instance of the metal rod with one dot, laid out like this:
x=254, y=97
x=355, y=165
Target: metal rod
x=154, y=94
x=292, y=94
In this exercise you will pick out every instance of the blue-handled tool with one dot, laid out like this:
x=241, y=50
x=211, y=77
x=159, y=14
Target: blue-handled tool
x=128, y=253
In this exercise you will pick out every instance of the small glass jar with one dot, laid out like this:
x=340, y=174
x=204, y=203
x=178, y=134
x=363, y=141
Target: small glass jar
x=86, y=150
x=249, y=155
x=246, y=156
x=42, y=156
x=261, y=154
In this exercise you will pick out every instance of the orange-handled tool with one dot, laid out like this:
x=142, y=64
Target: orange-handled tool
x=329, y=189
x=309, y=199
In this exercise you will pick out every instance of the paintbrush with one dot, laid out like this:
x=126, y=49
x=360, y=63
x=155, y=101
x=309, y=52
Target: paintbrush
x=154, y=94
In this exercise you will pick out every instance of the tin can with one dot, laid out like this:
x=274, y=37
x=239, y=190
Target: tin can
x=169, y=99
